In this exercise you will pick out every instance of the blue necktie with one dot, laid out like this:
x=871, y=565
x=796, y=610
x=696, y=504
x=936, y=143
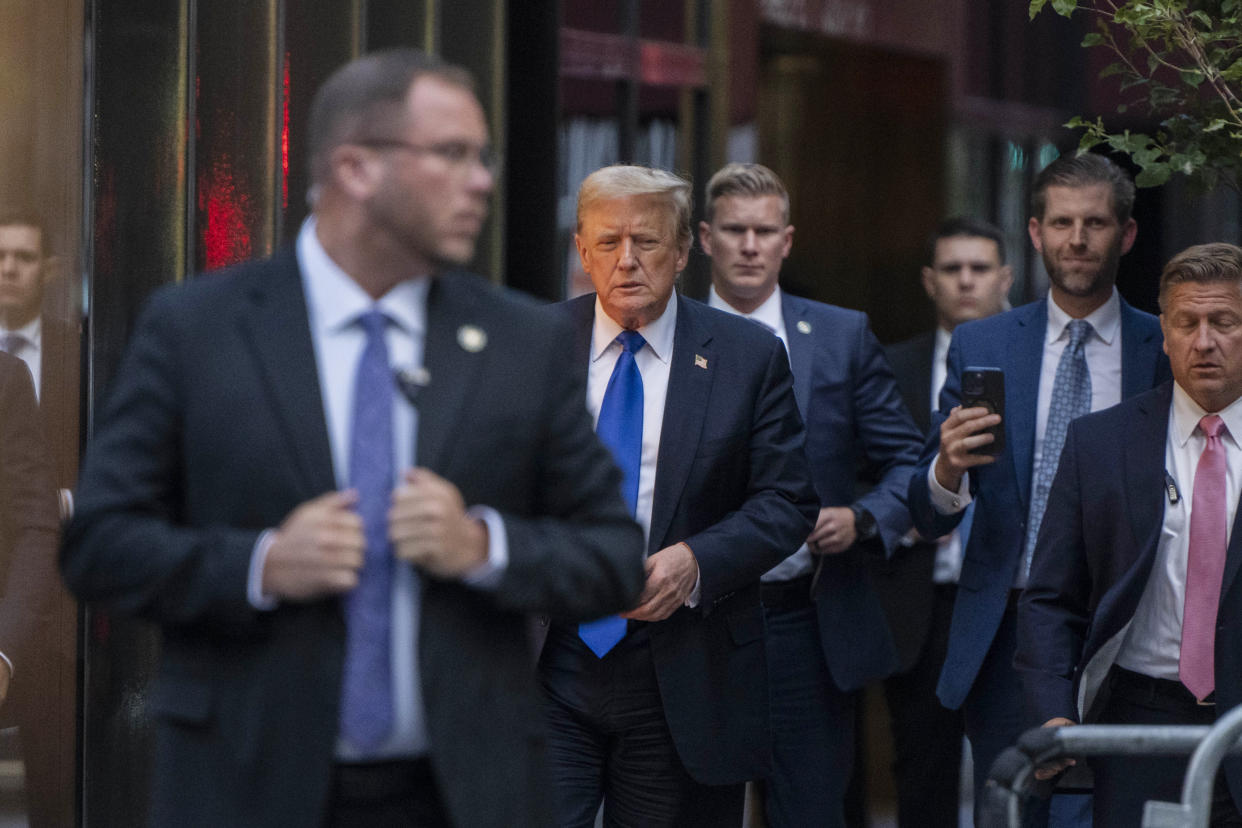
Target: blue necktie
x=1071, y=398
x=366, y=700
x=620, y=427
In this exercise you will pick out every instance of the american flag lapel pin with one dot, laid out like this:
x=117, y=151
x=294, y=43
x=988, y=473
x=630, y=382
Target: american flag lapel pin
x=700, y=361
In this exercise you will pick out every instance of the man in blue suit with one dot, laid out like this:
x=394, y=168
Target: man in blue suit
x=1081, y=349
x=1111, y=628
x=826, y=632
x=665, y=718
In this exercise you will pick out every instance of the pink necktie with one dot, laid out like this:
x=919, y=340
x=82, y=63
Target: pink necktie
x=1205, y=564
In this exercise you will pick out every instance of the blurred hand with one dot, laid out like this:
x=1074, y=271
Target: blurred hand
x=671, y=575
x=959, y=437
x=317, y=550
x=834, y=531
x=1051, y=769
x=430, y=529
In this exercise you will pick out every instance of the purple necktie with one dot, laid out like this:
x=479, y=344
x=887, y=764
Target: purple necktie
x=366, y=699
x=1205, y=563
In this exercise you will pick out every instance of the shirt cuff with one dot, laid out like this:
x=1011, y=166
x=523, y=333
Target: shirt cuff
x=944, y=501
x=486, y=576
x=254, y=579
x=696, y=594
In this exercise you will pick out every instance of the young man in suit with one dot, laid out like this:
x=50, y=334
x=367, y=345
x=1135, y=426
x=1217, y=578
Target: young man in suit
x=43, y=704
x=826, y=633
x=966, y=278
x=1132, y=614
x=663, y=713
x=1080, y=349
x=340, y=480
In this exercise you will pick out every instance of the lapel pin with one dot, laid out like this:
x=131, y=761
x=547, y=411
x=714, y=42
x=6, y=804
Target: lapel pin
x=700, y=361
x=471, y=338
x=804, y=326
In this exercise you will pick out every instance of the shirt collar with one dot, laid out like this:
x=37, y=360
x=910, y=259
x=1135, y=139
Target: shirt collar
x=335, y=300
x=1187, y=413
x=1105, y=320
x=942, y=341
x=658, y=333
x=32, y=332
x=769, y=313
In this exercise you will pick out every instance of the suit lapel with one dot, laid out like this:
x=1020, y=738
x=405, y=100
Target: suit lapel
x=1138, y=354
x=799, y=333
x=274, y=323
x=1144, y=468
x=1024, y=354
x=453, y=352
x=691, y=372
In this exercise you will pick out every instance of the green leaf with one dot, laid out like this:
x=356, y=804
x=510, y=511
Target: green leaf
x=1216, y=124
x=1192, y=77
x=1064, y=7
x=1203, y=19
x=1121, y=109
x=1036, y=7
x=1153, y=176
x=1234, y=72
x=1092, y=39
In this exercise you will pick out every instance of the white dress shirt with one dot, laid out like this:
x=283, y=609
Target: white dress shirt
x=1103, y=353
x=1152, y=645
x=948, y=565
x=334, y=302
x=654, y=361
x=31, y=351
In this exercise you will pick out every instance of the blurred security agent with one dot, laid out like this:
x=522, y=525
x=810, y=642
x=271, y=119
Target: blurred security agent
x=1132, y=614
x=1080, y=349
x=663, y=712
x=342, y=578
x=966, y=278
x=826, y=634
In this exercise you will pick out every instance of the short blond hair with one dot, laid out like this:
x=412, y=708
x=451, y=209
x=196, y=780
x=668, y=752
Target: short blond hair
x=748, y=181
x=1216, y=263
x=626, y=180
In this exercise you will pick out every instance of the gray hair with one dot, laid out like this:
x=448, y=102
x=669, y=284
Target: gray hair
x=626, y=180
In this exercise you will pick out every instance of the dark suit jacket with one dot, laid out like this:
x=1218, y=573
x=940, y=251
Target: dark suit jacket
x=1014, y=342
x=853, y=411
x=731, y=483
x=29, y=521
x=1094, y=556
x=215, y=431
x=904, y=583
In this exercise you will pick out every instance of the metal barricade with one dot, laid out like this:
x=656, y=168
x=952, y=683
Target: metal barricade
x=1012, y=776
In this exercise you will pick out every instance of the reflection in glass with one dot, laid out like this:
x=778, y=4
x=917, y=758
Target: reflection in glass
x=40, y=333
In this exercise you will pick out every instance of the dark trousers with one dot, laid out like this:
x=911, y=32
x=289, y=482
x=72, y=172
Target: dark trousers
x=927, y=737
x=994, y=718
x=1123, y=784
x=608, y=741
x=812, y=721
x=399, y=794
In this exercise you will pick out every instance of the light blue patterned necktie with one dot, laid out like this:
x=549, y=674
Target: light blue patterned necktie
x=620, y=427
x=367, y=696
x=1071, y=397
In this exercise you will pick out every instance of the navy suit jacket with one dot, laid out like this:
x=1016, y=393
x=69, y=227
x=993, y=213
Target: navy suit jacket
x=1096, y=548
x=853, y=411
x=214, y=431
x=732, y=483
x=1014, y=342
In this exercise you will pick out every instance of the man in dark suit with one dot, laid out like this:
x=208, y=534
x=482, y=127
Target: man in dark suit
x=1081, y=349
x=966, y=278
x=1132, y=614
x=826, y=633
x=668, y=717
x=43, y=705
x=344, y=642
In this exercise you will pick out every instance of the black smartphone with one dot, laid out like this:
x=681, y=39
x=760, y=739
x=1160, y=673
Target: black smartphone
x=985, y=387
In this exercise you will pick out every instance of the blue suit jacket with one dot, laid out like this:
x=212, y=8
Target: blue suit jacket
x=1014, y=342
x=732, y=483
x=1096, y=548
x=851, y=405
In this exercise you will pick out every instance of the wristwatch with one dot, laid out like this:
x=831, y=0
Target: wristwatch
x=865, y=527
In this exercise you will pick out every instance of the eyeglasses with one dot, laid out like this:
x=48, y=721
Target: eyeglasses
x=458, y=155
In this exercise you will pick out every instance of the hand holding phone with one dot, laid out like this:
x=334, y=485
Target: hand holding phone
x=985, y=388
